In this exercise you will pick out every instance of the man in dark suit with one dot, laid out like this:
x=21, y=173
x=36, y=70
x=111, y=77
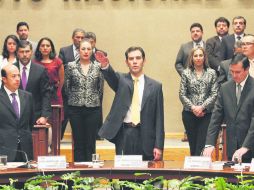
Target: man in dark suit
x=16, y=117
x=34, y=79
x=232, y=41
x=136, y=119
x=235, y=106
x=213, y=44
x=69, y=54
x=196, y=31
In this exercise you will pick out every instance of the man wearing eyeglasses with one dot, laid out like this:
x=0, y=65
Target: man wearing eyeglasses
x=248, y=51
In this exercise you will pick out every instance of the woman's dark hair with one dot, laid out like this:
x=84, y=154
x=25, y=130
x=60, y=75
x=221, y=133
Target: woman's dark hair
x=190, y=59
x=52, y=54
x=5, y=52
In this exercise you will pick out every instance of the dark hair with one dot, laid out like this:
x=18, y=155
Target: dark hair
x=78, y=30
x=196, y=25
x=90, y=35
x=22, y=24
x=190, y=58
x=3, y=72
x=239, y=17
x=5, y=52
x=221, y=19
x=38, y=55
x=24, y=44
x=239, y=57
x=133, y=48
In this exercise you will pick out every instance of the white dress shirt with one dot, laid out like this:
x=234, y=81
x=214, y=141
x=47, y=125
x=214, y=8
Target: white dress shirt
x=10, y=96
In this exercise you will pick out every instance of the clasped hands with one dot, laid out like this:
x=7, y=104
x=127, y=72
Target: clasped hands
x=198, y=111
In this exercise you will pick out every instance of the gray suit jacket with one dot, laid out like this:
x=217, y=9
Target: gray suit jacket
x=11, y=127
x=66, y=54
x=239, y=118
x=182, y=56
x=152, y=113
x=213, y=50
x=227, y=47
x=225, y=74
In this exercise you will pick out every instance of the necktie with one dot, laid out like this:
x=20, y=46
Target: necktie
x=15, y=104
x=76, y=55
x=198, y=45
x=238, y=37
x=24, y=78
x=238, y=93
x=135, y=108
x=238, y=42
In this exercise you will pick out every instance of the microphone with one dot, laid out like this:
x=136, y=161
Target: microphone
x=27, y=162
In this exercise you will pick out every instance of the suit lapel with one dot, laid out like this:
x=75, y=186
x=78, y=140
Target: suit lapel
x=22, y=103
x=6, y=101
x=129, y=82
x=146, y=92
x=243, y=94
x=32, y=74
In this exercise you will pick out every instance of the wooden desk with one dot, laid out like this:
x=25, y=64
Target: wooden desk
x=168, y=169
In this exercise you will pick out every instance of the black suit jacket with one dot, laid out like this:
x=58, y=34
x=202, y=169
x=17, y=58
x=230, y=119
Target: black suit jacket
x=12, y=127
x=152, y=113
x=38, y=86
x=66, y=54
x=239, y=118
x=213, y=50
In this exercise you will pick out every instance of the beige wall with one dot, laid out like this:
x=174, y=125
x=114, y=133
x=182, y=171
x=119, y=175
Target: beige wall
x=156, y=25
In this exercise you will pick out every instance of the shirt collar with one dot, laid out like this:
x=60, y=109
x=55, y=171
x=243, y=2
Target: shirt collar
x=10, y=92
x=141, y=77
x=27, y=66
x=243, y=82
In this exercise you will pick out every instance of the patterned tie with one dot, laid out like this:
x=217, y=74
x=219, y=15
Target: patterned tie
x=24, y=78
x=76, y=55
x=238, y=93
x=135, y=108
x=15, y=104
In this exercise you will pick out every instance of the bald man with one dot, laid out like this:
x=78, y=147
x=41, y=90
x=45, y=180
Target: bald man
x=16, y=117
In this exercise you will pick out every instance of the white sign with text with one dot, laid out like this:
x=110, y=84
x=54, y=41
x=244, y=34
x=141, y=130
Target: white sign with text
x=197, y=162
x=51, y=162
x=129, y=161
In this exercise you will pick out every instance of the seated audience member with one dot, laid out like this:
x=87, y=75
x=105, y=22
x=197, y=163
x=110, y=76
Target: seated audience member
x=135, y=123
x=84, y=88
x=235, y=107
x=16, y=117
x=9, y=52
x=198, y=92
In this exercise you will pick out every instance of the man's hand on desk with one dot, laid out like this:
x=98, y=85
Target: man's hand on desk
x=208, y=151
x=42, y=121
x=239, y=154
x=157, y=154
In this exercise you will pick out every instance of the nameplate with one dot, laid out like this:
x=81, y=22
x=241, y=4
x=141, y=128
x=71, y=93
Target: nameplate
x=252, y=165
x=129, y=161
x=51, y=162
x=197, y=162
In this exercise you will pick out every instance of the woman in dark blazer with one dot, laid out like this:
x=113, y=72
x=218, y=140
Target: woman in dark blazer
x=84, y=88
x=198, y=92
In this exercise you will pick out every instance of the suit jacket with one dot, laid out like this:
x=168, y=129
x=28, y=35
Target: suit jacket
x=183, y=55
x=66, y=54
x=38, y=86
x=239, y=118
x=213, y=50
x=225, y=74
x=11, y=127
x=152, y=113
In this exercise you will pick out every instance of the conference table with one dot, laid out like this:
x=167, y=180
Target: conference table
x=168, y=169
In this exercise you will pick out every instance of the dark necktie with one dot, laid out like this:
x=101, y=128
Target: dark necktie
x=24, y=78
x=238, y=93
x=15, y=104
x=238, y=37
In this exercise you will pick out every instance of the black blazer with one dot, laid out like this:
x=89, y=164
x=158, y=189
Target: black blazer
x=239, y=118
x=11, y=127
x=152, y=112
x=38, y=86
x=66, y=54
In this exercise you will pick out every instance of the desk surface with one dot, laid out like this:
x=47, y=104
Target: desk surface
x=168, y=169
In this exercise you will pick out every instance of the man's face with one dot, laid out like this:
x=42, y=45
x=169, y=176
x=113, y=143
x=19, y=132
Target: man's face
x=238, y=73
x=24, y=55
x=23, y=32
x=77, y=38
x=135, y=62
x=196, y=34
x=239, y=26
x=248, y=46
x=12, y=80
x=93, y=42
x=222, y=29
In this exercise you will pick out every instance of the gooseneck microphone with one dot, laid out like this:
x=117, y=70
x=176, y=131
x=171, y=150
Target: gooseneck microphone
x=27, y=162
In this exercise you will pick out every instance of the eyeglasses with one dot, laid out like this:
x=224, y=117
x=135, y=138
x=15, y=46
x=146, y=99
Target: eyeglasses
x=247, y=43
